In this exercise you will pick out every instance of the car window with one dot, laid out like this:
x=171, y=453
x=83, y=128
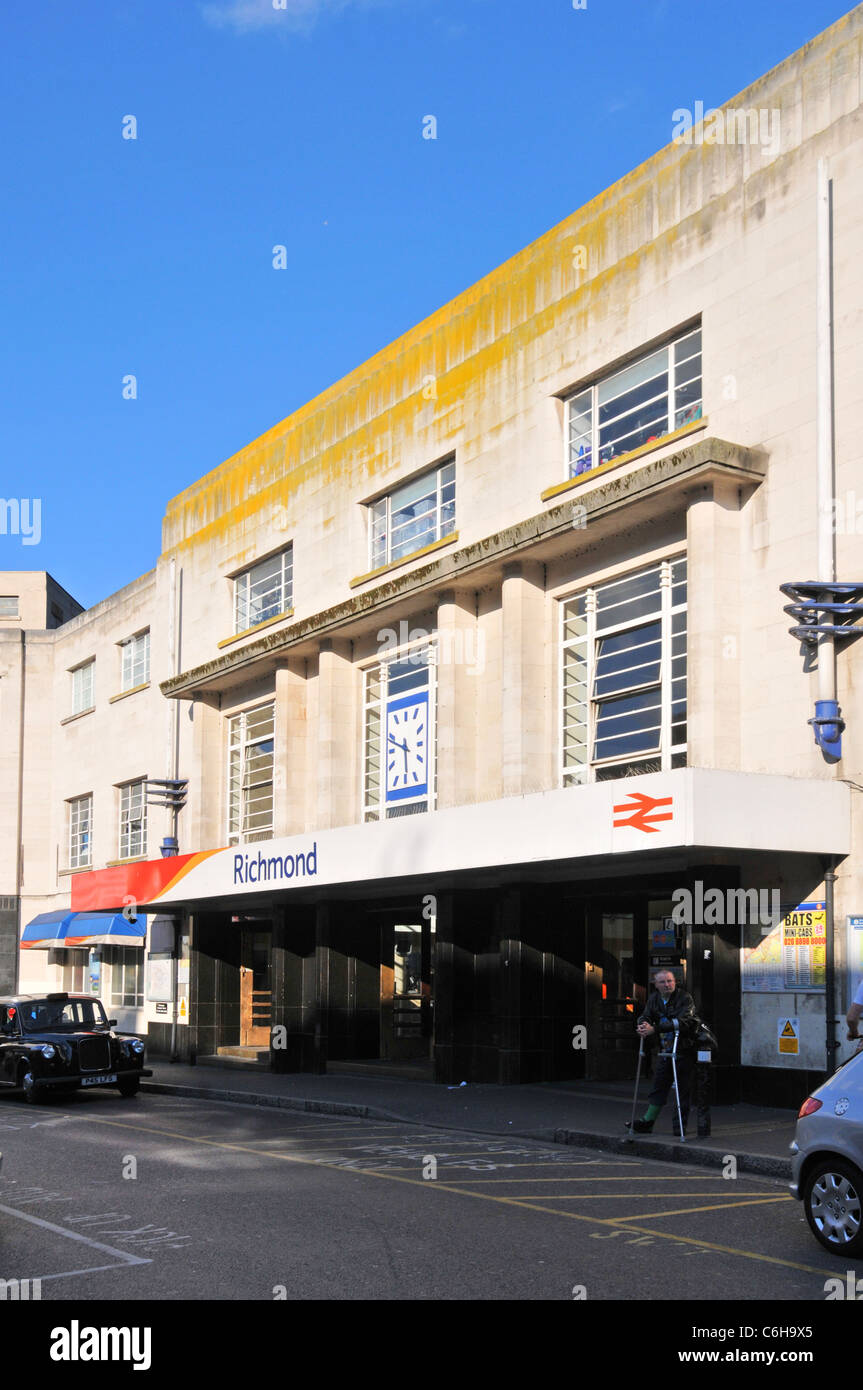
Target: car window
x=41, y=1015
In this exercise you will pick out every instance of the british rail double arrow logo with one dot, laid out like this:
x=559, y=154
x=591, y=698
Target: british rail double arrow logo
x=640, y=811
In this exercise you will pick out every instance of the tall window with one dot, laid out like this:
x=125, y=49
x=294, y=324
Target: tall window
x=251, y=748
x=74, y=972
x=80, y=821
x=651, y=397
x=136, y=661
x=624, y=676
x=398, y=757
x=133, y=819
x=413, y=515
x=264, y=591
x=127, y=976
x=82, y=687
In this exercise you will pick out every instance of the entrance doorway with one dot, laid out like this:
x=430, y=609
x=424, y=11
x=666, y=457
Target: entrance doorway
x=407, y=975
x=616, y=986
x=256, y=996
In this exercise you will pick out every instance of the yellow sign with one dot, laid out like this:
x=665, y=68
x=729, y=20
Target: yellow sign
x=793, y=956
x=183, y=1011
x=789, y=1036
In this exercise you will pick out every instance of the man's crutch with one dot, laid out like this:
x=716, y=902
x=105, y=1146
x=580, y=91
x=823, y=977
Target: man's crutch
x=674, y=1072
x=637, y=1079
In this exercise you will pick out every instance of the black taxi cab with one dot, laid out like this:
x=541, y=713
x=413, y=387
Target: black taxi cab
x=64, y=1042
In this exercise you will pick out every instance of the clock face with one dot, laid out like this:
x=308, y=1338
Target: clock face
x=407, y=742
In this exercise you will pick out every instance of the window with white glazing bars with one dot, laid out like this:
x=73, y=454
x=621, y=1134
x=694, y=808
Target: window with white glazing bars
x=82, y=687
x=133, y=819
x=624, y=676
x=80, y=831
x=127, y=976
x=412, y=516
x=264, y=591
x=649, y=398
x=136, y=661
x=251, y=750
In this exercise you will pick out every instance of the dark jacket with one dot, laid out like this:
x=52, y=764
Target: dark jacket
x=661, y=1012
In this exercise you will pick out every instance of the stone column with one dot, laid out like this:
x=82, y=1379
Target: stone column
x=292, y=753
x=526, y=678
x=714, y=655
x=203, y=821
x=334, y=764
x=459, y=679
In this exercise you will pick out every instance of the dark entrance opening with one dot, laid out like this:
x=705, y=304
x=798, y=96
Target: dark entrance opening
x=407, y=993
x=256, y=989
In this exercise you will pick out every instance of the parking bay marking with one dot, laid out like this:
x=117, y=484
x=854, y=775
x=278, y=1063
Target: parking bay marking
x=437, y=1186
x=686, y=1211
x=670, y=1196
x=122, y=1257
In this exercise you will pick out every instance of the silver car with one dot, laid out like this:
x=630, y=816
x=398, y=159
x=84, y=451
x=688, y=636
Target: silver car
x=827, y=1160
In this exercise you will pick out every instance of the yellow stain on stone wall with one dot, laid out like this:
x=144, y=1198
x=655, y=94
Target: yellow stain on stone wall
x=354, y=432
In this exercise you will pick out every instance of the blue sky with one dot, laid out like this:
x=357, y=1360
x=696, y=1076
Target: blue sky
x=300, y=127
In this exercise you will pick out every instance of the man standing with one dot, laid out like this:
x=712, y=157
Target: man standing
x=665, y=1006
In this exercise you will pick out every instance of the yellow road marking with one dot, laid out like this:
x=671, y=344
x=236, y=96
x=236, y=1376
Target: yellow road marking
x=590, y=1177
x=613, y=1222
x=718, y=1206
x=288, y=1139
x=710, y=1245
x=408, y=1143
x=625, y=1196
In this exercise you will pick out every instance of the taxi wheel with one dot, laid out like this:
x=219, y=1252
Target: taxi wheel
x=833, y=1202
x=129, y=1088
x=31, y=1094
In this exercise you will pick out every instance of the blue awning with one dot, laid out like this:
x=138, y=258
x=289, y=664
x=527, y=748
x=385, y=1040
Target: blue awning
x=82, y=929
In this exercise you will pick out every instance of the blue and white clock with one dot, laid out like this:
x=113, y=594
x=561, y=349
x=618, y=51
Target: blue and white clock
x=407, y=747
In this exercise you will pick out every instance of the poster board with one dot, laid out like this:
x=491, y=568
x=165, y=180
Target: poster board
x=792, y=957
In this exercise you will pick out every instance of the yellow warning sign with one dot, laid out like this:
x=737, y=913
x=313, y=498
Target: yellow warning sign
x=789, y=1036
x=183, y=1011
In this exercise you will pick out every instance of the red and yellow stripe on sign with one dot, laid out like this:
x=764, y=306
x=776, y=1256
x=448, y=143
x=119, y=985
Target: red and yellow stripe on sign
x=104, y=890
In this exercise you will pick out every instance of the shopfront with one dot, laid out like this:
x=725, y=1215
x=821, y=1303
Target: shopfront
x=509, y=942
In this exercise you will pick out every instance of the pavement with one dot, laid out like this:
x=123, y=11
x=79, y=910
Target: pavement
x=587, y=1114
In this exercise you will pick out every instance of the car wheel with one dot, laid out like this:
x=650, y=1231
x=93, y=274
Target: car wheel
x=129, y=1088
x=833, y=1202
x=28, y=1085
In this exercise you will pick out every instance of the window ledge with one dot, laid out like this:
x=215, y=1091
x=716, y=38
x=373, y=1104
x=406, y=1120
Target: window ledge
x=405, y=560
x=66, y=873
x=124, y=694
x=648, y=448
x=115, y=863
x=70, y=718
x=257, y=627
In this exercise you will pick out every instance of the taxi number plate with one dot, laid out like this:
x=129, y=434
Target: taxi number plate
x=97, y=1080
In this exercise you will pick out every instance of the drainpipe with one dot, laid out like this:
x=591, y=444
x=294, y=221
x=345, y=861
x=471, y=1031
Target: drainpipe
x=830, y=972
x=19, y=849
x=827, y=723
